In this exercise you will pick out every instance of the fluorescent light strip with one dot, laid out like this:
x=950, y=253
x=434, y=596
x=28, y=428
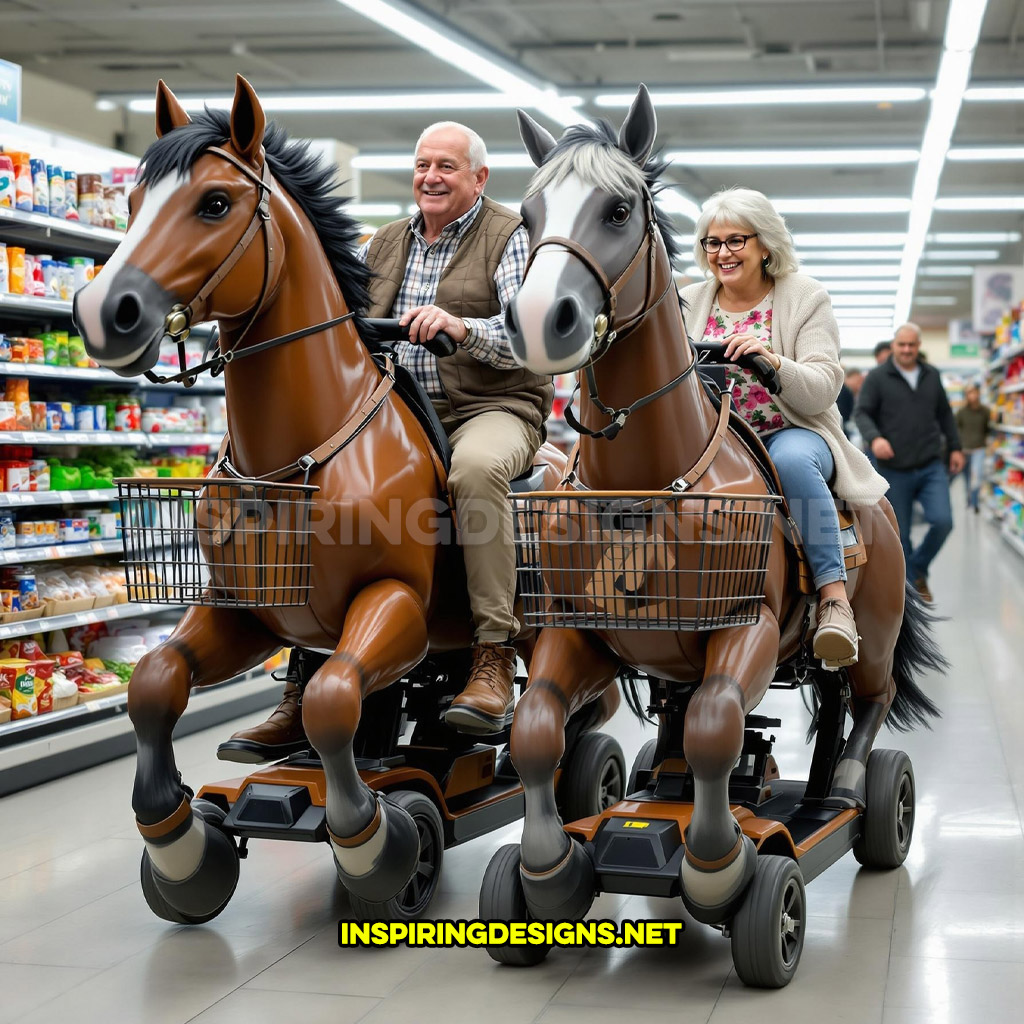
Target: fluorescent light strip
x=986, y=153
x=863, y=299
x=963, y=254
x=857, y=286
x=882, y=255
x=981, y=204
x=769, y=97
x=348, y=102
x=790, y=157
x=963, y=26
x=373, y=209
x=995, y=94
x=848, y=239
x=404, y=161
x=843, y=270
x=946, y=271
x=825, y=205
x=441, y=41
x=974, y=237
x=678, y=203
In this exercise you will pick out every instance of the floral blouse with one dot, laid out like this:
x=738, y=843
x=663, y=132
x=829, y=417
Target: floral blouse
x=749, y=396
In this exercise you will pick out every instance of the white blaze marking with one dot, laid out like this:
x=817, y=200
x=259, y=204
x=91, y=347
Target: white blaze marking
x=90, y=298
x=562, y=205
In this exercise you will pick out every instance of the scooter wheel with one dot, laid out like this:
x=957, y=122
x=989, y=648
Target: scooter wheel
x=644, y=763
x=888, y=820
x=593, y=779
x=502, y=899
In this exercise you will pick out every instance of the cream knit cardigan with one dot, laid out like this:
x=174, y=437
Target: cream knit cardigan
x=805, y=336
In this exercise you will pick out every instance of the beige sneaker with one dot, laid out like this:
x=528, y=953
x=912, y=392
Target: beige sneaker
x=836, y=640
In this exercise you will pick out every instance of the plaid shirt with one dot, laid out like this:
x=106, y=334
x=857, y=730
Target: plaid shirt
x=486, y=339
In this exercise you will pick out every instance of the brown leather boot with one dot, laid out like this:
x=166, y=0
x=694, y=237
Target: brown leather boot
x=485, y=705
x=280, y=735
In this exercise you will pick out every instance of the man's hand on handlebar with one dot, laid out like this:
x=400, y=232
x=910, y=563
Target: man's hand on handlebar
x=425, y=321
x=747, y=345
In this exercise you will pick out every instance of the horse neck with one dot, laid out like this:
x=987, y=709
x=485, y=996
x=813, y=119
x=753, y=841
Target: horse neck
x=663, y=439
x=283, y=403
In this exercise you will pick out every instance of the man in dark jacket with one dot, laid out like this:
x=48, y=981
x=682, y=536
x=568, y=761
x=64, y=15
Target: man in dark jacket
x=903, y=414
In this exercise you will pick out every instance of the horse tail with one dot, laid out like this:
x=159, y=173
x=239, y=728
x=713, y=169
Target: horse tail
x=631, y=691
x=916, y=651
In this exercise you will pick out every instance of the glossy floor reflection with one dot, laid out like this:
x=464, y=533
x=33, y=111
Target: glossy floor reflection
x=940, y=941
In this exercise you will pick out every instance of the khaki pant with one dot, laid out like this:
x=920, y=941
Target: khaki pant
x=487, y=452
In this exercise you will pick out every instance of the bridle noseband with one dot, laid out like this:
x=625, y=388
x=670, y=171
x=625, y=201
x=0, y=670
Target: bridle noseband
x=608, y=328
x=178, y=322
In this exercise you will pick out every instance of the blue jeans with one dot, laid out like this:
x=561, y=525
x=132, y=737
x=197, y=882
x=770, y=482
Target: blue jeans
x=974, y=475
x=928, y=485
x=805, y=466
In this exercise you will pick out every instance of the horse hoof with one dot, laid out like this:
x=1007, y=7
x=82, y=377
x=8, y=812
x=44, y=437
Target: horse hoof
x=380, y=867
x=565, y=892
x=849, y=786
x=177, y=891
x=712, y=896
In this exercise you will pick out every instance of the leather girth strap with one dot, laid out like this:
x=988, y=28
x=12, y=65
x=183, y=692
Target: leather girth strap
x=349, y=430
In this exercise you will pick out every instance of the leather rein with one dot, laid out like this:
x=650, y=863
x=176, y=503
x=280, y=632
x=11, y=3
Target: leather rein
x=178, y=321
x=608, y=328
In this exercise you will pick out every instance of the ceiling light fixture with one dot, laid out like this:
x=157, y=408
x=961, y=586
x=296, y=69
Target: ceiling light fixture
x=404, y=161
x=962, y=254
x=790, y=157
x=994, y=94
x=844, y=270
x=981, y=204
x=848, y=239
x=882, y=255
x=974, y=238
x=769, y=97
x=986, y=153
x=963, y=26
x=863, y=299
x=856, y=285
x=843, y=204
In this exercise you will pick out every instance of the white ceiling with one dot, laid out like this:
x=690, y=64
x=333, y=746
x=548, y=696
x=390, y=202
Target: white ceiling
x=587, y=48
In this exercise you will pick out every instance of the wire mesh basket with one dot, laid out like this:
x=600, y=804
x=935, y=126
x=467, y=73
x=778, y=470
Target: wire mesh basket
x=616, y=560
x=218, y=543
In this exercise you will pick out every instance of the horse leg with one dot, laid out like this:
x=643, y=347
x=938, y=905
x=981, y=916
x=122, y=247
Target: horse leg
x=192, y=863
x=719, y=861
x=568, y=669
x=375, y=841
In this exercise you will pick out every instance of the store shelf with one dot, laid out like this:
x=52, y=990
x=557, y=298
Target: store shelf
x=1012, y=389
x=998, y=364
x=128, y=438
x=54, y=552
x=32, y=499
x=1011, y=492
x=28, y=307
x=28, y=627
x=1012, y=460
x=68, y=236
x=93, y=375
x=1009, y=430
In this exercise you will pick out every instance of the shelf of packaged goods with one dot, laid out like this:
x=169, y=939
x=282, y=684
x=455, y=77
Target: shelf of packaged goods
x=1011, y=460
x=1012, y=389
x=1011, y=492
x=1008, y=430
x=94, y=375
x=29, y=627
x=125, y=439
x=998, y=364
x=29, y=307
x=68, y=236
x=1013, y=538
x=25, y=499
x=53, y=552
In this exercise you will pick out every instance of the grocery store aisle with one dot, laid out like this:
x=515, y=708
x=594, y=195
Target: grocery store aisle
x=939, y=940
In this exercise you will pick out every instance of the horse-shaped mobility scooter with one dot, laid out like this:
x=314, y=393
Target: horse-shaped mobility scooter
x=667, y=549
x=323, y=526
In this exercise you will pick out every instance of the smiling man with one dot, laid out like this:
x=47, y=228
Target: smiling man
x=454, y=267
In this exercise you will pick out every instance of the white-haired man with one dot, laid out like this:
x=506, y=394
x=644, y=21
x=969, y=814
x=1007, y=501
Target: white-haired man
x=453, y=267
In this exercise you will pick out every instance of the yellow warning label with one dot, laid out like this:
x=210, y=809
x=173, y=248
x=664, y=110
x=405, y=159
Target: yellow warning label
x=635, y=824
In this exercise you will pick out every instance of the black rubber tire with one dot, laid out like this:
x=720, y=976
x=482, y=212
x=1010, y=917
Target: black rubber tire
x=643, y=762
x=413, y=900
x=887, y=825
x=593, y=779
x=502, y=899
x=213, y=816
x=764, y=952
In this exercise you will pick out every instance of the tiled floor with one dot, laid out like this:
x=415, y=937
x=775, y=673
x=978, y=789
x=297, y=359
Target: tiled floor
x=939, y=940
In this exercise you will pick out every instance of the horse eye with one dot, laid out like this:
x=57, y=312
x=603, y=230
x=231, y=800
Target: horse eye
x=214, y=206
x=620, y=214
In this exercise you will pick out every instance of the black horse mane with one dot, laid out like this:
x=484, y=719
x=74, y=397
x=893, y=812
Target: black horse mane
x=605, y=135
x=304, y=176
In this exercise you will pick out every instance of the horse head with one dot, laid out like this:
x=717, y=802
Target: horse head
x=599, y=257
x=204, y=193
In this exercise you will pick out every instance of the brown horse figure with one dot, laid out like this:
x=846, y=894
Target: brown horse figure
x=384, y=589
x=598, y=297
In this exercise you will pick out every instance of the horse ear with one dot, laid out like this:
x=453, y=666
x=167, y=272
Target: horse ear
x=538, y=141
x=248, y=122
x=638, y=131
x=170, y=114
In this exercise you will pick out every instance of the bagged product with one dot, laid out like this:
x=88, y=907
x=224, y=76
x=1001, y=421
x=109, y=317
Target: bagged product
x=55, y=174
x=22, y=181
x=7, y=184
x=4, y=280
x=40, y=186
x=16, y=269
x=70, y=195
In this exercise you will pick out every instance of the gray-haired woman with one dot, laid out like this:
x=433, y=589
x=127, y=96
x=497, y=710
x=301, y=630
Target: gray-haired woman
x=756, y=302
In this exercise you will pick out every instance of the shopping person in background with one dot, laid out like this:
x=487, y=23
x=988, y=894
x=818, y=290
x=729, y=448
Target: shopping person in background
x=453, y=267
x=903, y=414
x=882, y=352
x=974, y=422
x=757, y=303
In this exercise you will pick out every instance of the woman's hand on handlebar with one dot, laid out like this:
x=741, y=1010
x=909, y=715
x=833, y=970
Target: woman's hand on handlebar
x=425, y=321
x=747, y=345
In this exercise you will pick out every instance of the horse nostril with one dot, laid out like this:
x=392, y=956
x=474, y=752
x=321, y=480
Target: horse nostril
x=565, y=317
x=511, y=326
x=128, y=314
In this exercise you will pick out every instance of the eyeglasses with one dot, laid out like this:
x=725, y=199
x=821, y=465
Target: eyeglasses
x=733, y=243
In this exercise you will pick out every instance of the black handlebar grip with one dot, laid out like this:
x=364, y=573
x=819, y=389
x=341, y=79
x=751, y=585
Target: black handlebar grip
x=391, y=329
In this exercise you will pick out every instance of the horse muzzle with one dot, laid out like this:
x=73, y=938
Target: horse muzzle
x=122, y=320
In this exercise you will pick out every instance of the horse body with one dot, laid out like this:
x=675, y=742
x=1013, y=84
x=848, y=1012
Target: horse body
x=605, y=304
